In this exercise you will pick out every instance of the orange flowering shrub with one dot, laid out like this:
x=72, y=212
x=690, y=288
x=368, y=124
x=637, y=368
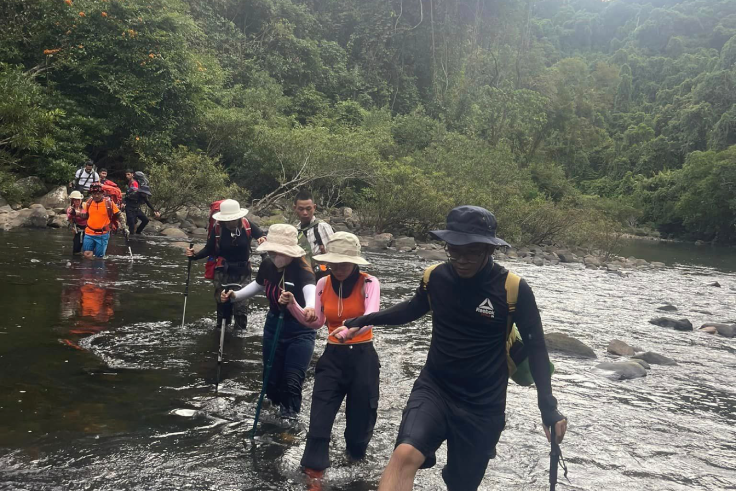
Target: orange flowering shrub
x=51, y=51
x=82, y=14
x=68, y=2
x=104, y=14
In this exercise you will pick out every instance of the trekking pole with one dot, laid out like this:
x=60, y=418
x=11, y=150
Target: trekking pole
x=186, y=288
x=126, y=233
x=554, y=458
x=269, y=364
x=220, y=354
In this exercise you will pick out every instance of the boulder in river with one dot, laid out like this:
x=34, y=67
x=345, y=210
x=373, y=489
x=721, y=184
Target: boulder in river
x=624, y=370
x=676, y=324
x=561, y=342
x=378, y=241
x=38, y=218
x=57, y=221
x=174, y=232
x=618, y=347
x=56, y=198
x=432, y=254
x=154, y=226
x=667, y=308
x=654, y=358
x=725, y=330
x=715, y=284
x=641, y=362
x=405, y=244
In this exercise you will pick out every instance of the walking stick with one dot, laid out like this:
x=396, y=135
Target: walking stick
x=126, y=233
x=269, y=364
x=220, y=354
x=186, y=288
x=555, y=457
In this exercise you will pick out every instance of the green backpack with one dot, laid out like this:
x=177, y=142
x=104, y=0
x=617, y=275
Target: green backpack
x=517, y=357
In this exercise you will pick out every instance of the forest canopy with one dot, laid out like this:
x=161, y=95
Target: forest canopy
x=563, y=117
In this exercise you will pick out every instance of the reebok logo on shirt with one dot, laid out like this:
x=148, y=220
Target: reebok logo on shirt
x=486, y=309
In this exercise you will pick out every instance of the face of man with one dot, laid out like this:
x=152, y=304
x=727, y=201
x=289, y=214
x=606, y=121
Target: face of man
x=128, y=176
x=103, y=175
x=468, y=259
x=97, y=195
x=305, y=209
x=88, y=168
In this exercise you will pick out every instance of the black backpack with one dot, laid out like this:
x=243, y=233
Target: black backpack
x=141, y=178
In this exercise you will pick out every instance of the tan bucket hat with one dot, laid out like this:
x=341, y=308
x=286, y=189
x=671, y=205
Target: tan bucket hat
x=343, y=247
x=229, y=210
x=282, y=238
x=76, y=195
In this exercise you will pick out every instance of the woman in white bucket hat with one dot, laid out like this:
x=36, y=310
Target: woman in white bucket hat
x=228, y=247
x=77, y=221
x=284, y=264
x=346, y=368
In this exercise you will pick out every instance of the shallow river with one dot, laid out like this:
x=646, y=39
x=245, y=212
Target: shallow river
x=101, y=388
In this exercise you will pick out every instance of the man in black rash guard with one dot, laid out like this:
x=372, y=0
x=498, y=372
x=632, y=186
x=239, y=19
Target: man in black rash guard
x=460, y=395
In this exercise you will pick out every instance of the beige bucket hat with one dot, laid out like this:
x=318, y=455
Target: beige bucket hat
x=76, y=195
x=229, y=210
x=343, y=247
x=282, y=238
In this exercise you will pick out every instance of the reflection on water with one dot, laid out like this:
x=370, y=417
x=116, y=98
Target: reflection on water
x=134, y=406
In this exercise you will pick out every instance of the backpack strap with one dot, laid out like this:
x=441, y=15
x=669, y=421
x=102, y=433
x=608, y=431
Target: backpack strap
x=425, y=281
x=217, y=230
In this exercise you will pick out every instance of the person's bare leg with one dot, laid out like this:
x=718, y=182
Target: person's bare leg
x=401, y=469
x=89, y=254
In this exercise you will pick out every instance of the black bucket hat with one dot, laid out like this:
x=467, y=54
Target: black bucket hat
x=470, y=225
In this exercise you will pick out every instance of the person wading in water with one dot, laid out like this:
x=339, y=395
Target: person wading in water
x=229, y=243
x=460, y=395
x=345, y=369
x=102, y=217
x=285, y=263
x=313, y=232
x=77, y=220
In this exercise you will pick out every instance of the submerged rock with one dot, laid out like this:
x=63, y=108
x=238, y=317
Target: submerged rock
x=654, y=358
x=715, y=284
x=641, y=362
x=667, y=308
x=676, y=324
x=725, y=330
x=561, y=342
x=618, y=347
x=624, y=370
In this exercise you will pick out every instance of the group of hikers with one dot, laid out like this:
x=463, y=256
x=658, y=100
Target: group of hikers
x=311, y=276
x=92, y=221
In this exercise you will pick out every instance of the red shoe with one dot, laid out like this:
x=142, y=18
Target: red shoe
x=314, y=479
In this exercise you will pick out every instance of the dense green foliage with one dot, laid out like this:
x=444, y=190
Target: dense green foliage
x=564, y=117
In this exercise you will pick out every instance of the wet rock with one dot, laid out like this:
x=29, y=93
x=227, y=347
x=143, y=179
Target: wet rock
x=187, y=225
x=706, y=312
x=379, y=241
x=625, y=370
x=561, y=342
x=667, y=308
x=405, y=244
x=641, y=362
x=5, y=209
x=654, y=358
x=182, y=214
x=538, y=261
x=523, y=252
x=57, y=221
x=55, y=198
x=657, y=264
x=676, y=324
x=199, y=232
x=252, y=218
x=201, y=218
x=725, y=330
x=154, y=226
x=174, y=232
x=618, y=347
x=715, y=284
x=432, y=255
x=568, y=257
x=38, y=218
x=512, y=254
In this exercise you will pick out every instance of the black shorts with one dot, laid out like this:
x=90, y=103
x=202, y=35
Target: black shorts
x=430, y=418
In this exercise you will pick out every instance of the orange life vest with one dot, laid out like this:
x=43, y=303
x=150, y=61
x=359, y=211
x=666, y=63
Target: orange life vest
x=353, y=306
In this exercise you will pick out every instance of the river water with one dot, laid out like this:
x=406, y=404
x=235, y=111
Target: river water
x=101, y=388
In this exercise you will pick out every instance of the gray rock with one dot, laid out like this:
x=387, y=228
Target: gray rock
x=38, y=218
x=538, y=261
x=657, y=264
x=155, y=226
x=57, y=221
x=56, y=198
x=182, y=214
x=5, y=209
x=592, y=261
x=432, y=255
x=174, y=232
x=347, y=212
x=618, y=347
x=187, y=225
x=201, y=218
x=624, y=370
x=725, y=330
x=199, y=232
x=715, y=284
x=561, y=342
x=568, y=257
x=667, y=308
x=377, y=242
x=676, y=324
x=405, y=243
x=654, y=358
x=341, y=227
x=641, y=362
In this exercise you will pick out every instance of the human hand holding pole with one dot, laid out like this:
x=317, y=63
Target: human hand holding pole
x=186, y=288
